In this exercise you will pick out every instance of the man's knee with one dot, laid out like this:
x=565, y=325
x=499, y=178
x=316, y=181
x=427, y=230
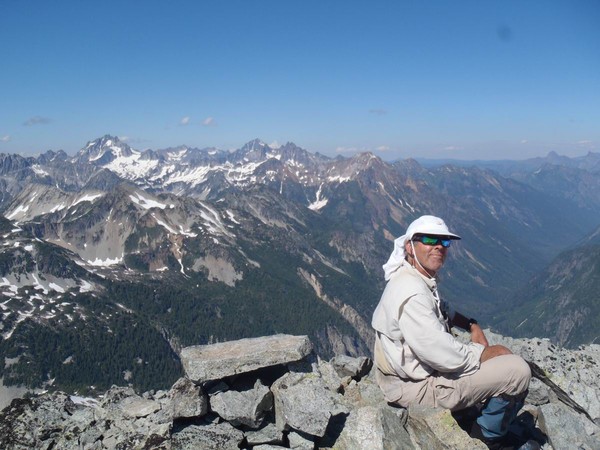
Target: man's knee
x=520, y=374
x=510, y=374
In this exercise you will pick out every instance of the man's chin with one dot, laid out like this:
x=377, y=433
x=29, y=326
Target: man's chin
x=436, y=265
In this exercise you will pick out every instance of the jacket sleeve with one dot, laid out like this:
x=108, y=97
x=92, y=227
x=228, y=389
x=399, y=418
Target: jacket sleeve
x=431, y=343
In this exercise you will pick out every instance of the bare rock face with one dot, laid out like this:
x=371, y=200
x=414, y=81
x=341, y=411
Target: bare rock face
x=212, y=362
x=304, y=404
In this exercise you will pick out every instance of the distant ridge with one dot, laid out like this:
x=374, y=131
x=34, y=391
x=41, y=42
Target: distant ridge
x=160, y=249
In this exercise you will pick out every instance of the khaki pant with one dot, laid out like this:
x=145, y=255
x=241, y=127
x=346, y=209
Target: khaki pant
x=506, y=374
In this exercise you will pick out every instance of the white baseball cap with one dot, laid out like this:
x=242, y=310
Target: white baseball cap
x=429, y=225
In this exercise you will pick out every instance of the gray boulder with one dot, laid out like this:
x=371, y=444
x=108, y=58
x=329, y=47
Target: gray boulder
x=136, y=407
x=303, y=402
x=269, y=434
x=187, y=399
x=212, y=362
x=330, y=377
x=300, y=442
x=435, y=428
x=243, y=408
x=207, y=436
x=567, y=429
x=365, y=392
x=539, y=393
x=376, y=428
x=347, y=366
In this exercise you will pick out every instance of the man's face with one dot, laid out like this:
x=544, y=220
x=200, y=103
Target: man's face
x=431, y=257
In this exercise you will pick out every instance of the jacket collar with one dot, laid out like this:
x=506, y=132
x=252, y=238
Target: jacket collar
x=430, y=282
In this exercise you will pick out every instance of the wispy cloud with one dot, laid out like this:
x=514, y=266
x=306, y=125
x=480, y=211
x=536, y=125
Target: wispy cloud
x=378, y=111
x=587, y=144
x=132, y=140
x=355, y=150
x=185, y=121
x=37, y=120
x=209, y=121
x=346, y=150
x=524, y=141
x=451, y=148
x=274, y=144
x=5, y=138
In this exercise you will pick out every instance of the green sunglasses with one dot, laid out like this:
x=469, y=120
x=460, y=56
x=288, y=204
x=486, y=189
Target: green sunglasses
x=433, y=240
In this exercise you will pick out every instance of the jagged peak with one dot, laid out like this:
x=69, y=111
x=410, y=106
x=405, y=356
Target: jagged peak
x=51, y=156
x=365, y=157
x=366, y=160
x=255, y=144
x=104, y=149
x=107, y=139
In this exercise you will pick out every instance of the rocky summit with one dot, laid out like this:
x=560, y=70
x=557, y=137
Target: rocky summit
x=294, y=399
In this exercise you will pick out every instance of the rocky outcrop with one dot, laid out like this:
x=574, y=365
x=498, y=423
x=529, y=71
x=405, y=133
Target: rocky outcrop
x=285, y=401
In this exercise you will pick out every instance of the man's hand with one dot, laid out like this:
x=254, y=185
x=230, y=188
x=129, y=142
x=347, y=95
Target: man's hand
x=477, y=335
x=491, y=351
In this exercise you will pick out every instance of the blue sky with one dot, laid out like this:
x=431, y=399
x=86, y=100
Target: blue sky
x=430, y=79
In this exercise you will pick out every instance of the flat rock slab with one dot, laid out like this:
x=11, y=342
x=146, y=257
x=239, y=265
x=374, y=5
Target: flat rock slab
x=212, y=362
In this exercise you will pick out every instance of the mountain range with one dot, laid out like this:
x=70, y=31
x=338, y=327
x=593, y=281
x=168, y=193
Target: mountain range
x=114, y=258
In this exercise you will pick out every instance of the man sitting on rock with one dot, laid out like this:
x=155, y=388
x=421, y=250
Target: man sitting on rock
x=420, y=362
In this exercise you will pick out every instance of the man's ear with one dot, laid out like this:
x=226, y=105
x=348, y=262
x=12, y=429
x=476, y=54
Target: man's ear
x=408, y=249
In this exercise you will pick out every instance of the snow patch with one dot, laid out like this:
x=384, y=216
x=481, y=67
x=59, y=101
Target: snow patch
x=39, y=171
x=338, y=179
x=87, y=198
x=145, y=202
x=86, y=286
x=19, y=209
x=232, y=217
x=56, y=287
x=319, y=202
x=105, y=262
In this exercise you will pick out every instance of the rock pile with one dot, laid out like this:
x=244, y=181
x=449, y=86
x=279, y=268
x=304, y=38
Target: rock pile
x=268, y=393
